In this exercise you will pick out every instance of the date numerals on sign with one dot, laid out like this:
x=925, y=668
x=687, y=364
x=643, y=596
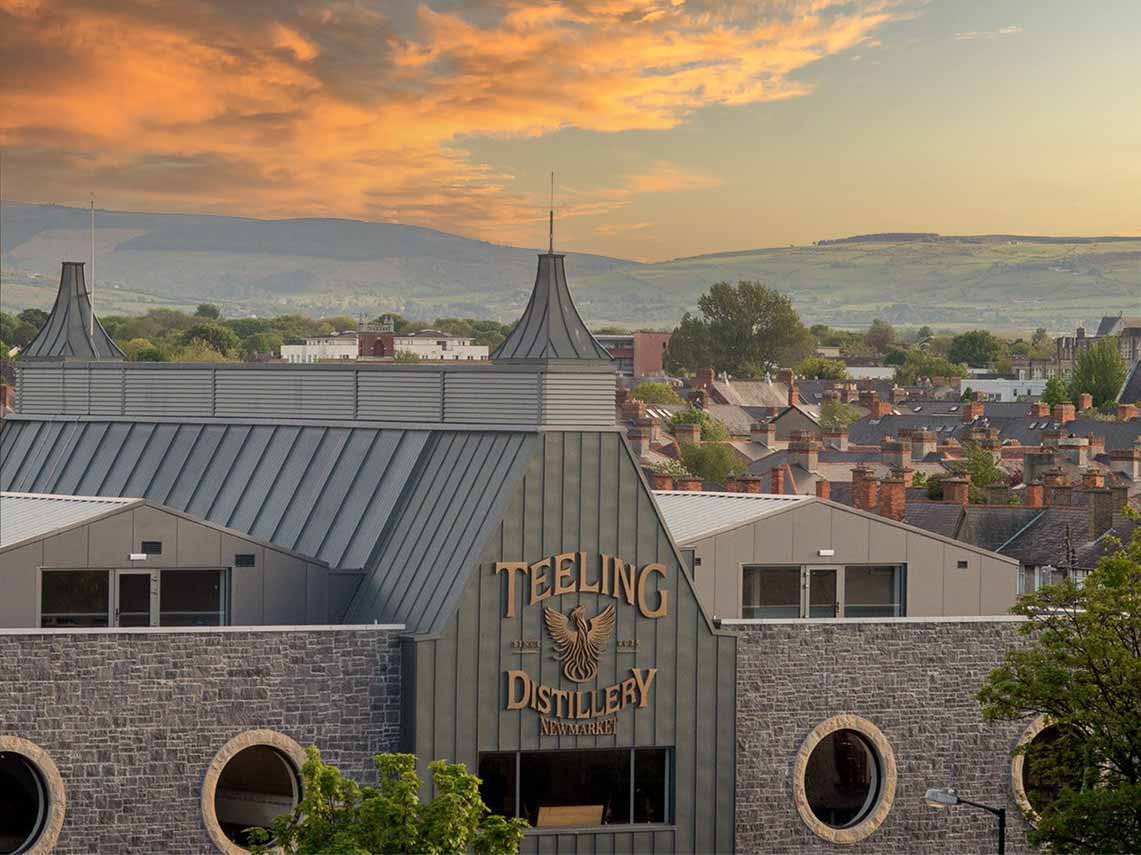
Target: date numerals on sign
x=627, y=645
x=525, y=645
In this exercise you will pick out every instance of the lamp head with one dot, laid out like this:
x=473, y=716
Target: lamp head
x=942, y=798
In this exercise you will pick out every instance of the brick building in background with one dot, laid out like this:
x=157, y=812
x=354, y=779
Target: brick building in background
x=638, y=354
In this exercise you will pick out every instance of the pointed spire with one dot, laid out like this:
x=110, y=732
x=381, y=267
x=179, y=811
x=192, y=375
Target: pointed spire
x=72, y=331
x=551, y=327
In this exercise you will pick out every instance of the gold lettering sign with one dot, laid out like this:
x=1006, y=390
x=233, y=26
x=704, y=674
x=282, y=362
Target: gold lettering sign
x=580, y=638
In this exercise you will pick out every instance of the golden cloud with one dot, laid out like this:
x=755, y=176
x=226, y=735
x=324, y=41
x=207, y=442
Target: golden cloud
x=338, y=109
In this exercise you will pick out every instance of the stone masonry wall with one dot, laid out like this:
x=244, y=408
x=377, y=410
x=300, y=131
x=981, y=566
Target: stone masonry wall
x=915, y=681
x=133, y=720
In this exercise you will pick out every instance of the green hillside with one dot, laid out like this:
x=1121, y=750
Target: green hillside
x=337, y=267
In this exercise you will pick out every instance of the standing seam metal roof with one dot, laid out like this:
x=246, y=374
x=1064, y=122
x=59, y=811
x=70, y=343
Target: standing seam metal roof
x=551, y=327
x=27, y=516
x=67, y=333
x=317, y=490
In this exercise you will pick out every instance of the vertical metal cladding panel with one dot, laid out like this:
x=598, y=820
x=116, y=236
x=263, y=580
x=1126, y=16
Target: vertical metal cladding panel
x=387, y=394
x=40, y=389
x=293, y=394
x=77, y=390
x=485, y=397
x=583, y=492
x=107, y=391
x=579, y=400
x=170, y=392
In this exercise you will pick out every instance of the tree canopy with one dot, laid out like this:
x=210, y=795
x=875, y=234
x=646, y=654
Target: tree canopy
x=1100, y=371
x=338, y=815
x=977, y=348
x=656, y=393
x=745, y=329
x=712, y=461
x=819, y=368
x=1080, y=668
x=1055, y=392
x=920, y=365
x=880, y=336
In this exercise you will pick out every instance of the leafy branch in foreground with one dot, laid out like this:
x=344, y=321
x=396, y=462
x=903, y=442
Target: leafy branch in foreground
x=1081, y=669
x=337, y=815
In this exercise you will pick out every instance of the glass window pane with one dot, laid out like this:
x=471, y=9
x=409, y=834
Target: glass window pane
x=497, y=783
x=771, y=592
x=873, y=591
x=651, y=776
x=191, y=598
x=822, y=593
x=74, y=597
x=562, y=789
x=841, y=780
x=134, y=600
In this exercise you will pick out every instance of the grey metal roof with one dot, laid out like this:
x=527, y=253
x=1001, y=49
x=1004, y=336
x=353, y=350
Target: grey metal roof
x=1131, y=389
x=317, y=490
x=443, y=519
x=551, y=327
x=28, y=516
x=68, y=333
x=691, y=515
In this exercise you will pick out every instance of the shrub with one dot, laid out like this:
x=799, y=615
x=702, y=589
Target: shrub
x=656, y=393
x=712, y=461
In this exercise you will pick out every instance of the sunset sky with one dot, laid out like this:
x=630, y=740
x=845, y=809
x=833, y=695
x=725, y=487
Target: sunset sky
x=676, y=127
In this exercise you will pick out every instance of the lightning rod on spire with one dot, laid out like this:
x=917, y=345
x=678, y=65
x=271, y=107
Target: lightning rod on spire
x=551, y=245
x=91, y=289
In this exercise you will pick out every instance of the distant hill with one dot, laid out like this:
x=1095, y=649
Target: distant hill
x=328, y=266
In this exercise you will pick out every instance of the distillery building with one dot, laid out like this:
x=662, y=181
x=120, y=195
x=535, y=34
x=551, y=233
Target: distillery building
x=207, y=568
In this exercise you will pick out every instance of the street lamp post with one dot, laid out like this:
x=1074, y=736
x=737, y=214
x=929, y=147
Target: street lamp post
x=944, y=798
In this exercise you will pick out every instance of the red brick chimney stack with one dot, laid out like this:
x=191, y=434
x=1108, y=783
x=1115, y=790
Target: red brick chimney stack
x=823, y=489
x=687, y=434
x=750, y=484
x=778, y=481
x=703, y=378
x=865, y=488
x=892, y=498
x=973, y=410
x=1126, y=412
x=1064, y=413
x=763, y=432
x=1085, y=402
x=1093, y=479
x=957, y=489
x=1034, y=494
x=1040, y=410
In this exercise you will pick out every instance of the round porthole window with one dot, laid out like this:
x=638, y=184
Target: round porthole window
x=845, y=779
x=1037, y=779
x=254, y=779
x=31, y=798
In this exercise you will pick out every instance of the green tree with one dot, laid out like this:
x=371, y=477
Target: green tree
x=133, y=347
x=880, y=336
x=835, y=414
x=35, y=318
x=818, y=368
x=977, y=348
x=195, y=350
x=656, y=393
x=1080, y=667
x=746, y=329
x=1055, y=392
x=220, y=338
x=15, y=331
x=919, y=365
x=1100, y=371
x=896, y=357
x=923, y=333
x=405, y=356
x=1041, y=345
x=208, y=310
x=712, y=430
x=689, y=348
x=712, y=461
x=262, y=345
x=337, y=815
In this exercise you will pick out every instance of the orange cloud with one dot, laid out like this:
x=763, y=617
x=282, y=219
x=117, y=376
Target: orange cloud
x=338, y=109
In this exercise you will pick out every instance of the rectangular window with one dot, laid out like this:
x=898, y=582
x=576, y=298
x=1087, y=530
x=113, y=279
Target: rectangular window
x=192, y=598
x=244, y=559
x=771, y=592
x=75, y=598
x=873, y=591
x=579, y=789
x=152, y=547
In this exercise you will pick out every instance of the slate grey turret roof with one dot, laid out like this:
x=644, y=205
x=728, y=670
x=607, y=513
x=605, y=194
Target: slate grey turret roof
x=551, y=327
x=69, y=332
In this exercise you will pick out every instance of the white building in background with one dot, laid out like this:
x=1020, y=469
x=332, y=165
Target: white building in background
x=437, y=345
x=1003, y=389
x=322, y=348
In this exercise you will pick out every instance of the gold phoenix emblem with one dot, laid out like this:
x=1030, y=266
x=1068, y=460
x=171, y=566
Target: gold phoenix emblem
x=579, y=646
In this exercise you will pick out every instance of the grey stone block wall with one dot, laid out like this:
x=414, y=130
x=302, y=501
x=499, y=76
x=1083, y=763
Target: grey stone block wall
x=133, y=720
x=915, y=681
